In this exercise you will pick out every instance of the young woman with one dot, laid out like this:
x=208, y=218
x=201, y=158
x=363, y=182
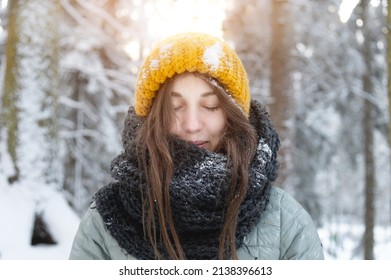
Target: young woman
x=195, y=178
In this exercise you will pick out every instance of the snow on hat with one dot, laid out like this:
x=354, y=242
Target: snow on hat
x=191, y=52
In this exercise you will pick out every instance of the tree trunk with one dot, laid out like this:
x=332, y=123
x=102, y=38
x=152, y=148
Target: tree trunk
x=389, y=75
x=389, y=68
x=9, y=110
x=368, y=125
x=281, y=81
x=29, y=114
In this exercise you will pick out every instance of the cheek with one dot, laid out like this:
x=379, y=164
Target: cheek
x=218, y=126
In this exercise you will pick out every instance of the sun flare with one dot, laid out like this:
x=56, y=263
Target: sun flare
x=188, y=15
x=346, y=8
x=165, y=18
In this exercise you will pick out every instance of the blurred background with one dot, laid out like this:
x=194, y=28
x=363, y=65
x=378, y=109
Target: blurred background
x=67, y=77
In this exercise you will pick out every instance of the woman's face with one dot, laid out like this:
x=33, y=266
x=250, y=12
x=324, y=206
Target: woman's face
x=199, y=118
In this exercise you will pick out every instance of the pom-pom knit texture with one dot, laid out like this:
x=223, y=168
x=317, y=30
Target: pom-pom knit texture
x=191, y=52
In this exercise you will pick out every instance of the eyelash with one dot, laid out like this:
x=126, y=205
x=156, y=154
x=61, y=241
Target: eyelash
x=212, y=108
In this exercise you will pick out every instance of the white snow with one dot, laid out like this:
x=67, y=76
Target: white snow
x=263, y=147
x=154, y=64
x=21, y=201
x=164, y=49
x=212, y=55
x=164, y=52
x=6, y=166
x=264, y=152
x=18, y=205
x=343, y=241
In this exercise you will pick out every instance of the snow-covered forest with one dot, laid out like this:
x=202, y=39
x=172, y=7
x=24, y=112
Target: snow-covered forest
x=67, y=77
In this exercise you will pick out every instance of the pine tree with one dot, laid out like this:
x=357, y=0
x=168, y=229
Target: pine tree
x=98, y=79
x=281, y=82
x=389, y=76
x=30, y=156
x=327, y=67
x=9, y=111
x=389, y=67
x=247, y=25
x=368, y=126
x=29, y=99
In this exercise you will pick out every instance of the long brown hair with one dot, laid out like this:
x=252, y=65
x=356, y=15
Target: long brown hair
x=239, y=144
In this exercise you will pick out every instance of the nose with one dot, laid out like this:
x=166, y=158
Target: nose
x=192, y=121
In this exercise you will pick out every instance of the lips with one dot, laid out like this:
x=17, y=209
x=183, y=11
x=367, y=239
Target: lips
x=200, y=144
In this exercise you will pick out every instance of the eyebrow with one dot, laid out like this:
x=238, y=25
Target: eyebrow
x=177, y=94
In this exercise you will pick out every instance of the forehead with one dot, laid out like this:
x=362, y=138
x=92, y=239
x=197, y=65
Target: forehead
x=188, y=81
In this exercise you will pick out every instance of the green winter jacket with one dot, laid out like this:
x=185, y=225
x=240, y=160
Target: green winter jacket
x=285, y=231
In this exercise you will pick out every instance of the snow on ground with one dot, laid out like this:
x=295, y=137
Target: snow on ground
x=17, y=208
x=344, y=242
x=18, y=205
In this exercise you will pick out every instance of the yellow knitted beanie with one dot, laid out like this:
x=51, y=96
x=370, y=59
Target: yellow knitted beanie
x=192, y=52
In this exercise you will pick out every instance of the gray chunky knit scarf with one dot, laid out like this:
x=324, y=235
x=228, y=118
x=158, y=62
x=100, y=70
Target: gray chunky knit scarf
x=198, y=191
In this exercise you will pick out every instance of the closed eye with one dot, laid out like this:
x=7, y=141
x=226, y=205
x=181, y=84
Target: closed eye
x=213, y=108
x=177, y=108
